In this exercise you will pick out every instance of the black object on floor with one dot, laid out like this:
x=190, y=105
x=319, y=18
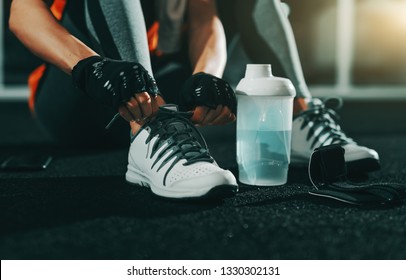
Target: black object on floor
x=80, y=207
x=328, y=174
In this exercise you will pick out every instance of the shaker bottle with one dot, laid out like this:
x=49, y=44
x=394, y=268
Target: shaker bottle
x=264, y=126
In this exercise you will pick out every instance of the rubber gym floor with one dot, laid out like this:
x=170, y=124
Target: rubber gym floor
x=80, y=207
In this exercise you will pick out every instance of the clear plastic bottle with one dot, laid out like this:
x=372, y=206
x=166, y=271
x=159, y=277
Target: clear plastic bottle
x=264, y=125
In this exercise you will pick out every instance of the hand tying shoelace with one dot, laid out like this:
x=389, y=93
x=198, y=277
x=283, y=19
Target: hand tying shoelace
x=203, y=89
x=328, y=174
x=112, y=82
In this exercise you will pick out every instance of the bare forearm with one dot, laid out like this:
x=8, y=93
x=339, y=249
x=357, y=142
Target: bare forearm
x=33, y=24
x=207, y=42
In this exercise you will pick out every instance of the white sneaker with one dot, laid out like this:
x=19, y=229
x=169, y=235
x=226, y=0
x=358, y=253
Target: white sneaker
x=317, y=127
x=170, y=156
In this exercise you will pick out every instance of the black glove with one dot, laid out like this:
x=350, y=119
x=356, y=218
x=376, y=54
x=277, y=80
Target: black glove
x=112, y=82
x=203, y=89
x=328, y=174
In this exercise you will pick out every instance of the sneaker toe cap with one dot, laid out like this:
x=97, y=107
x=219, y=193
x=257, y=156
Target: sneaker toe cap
x=354, y=152
x=198, y=186
x=223, y=177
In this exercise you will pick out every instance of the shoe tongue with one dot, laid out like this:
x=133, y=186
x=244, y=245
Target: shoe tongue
x=169, y=110
x=172, y=111
x=176, y=124
x=180, y=126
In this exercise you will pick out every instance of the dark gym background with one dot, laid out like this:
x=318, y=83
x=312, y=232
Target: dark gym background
x=81, y=207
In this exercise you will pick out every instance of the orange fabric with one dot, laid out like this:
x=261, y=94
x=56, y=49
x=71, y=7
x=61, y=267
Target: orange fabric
x=299, y=105
x=152, y=36
x=57, y=9
x=33, y=82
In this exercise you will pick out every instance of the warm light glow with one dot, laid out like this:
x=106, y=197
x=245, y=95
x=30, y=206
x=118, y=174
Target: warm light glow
x=380, y=39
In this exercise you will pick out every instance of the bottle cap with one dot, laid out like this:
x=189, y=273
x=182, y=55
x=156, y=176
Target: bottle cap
x=259, y=81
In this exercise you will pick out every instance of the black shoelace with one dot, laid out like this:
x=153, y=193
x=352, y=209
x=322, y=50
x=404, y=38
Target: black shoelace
x=323, y=119
x=183, y=140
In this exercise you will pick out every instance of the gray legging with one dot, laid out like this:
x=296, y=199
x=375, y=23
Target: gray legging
x=267, y=37
x=117, y=30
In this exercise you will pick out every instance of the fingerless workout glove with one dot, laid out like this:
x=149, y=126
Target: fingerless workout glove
x=112, y=82
x=203, y=89
x=328, y=174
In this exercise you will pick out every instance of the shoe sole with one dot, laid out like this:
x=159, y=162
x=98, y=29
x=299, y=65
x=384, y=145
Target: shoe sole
x=211, y=193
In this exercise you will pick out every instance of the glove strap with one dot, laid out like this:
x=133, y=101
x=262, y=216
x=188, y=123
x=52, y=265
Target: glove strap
x=328, y=174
